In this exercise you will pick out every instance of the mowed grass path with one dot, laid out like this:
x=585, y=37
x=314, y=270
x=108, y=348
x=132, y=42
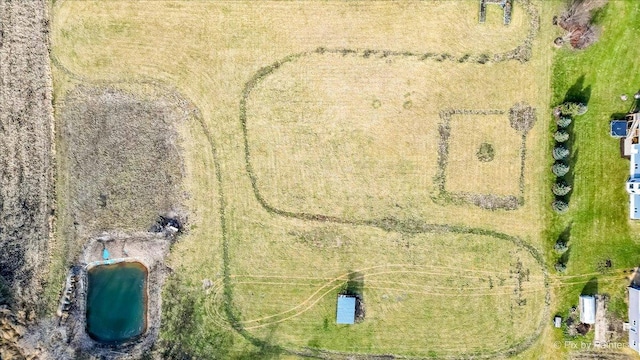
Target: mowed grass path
x=208, y=51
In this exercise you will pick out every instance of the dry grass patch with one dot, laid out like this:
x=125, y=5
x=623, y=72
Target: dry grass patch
x=124, y=158
x=208, y=52
x=358, y=137
x=467, y=172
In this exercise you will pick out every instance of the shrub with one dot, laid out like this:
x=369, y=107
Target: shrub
x=572, y=109
x=577, y=20
x=561, y=246
x=560, y=169
x=522, y=117
x=561, y=267
x=485, y=153
x=561, y=188
x=560, y=206
x=563, y=122
x=561, y=136
x=560, y=152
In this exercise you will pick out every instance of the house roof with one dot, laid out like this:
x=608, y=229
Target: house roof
x=634, y=206
x=346, y=313
x=587, y=309
x=619, y=128
x=634, y=167
x=633, y=184
x=634, y=318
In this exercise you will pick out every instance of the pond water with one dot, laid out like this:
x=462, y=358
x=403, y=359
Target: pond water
x=117, y=301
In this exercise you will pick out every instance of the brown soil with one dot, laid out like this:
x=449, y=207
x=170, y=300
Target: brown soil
x=123, y=161
x=26, y=130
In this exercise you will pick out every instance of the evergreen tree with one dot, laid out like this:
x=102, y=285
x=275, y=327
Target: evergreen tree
x=560, y=152
x=561, y=188
x=572, y=109
x=563, y=122
x=560, y=169
x=561, y=246
x=560, y=206
x=561, y=136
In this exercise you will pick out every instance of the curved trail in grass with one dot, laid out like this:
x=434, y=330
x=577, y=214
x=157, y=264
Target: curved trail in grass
x=331, y=285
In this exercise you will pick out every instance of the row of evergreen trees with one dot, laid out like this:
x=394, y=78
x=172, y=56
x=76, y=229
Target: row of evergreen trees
x=561, y=153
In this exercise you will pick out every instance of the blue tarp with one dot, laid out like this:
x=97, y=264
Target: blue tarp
x=105, y=254
x=346, y=310
x=619, y=128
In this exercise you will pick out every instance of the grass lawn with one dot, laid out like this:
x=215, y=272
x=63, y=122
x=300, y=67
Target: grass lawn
x=598, y=220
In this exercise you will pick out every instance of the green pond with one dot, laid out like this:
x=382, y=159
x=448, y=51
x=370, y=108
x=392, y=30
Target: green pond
x=117, y=302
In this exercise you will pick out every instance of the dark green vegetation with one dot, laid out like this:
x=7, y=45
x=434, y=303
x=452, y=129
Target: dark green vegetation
x=596, y=227
x=486, y=152
x=116, y=302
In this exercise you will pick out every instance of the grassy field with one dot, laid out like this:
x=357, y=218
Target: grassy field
x=598, y=220
x=465, y=173
x=310, y=154
x=339, y=104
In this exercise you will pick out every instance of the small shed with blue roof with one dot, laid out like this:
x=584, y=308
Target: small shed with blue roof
x=346, y=313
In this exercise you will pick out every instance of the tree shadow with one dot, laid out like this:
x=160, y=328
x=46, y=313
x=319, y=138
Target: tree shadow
x=355, y=284
x=569, y=177
x=565, y=235
x=618, y=116
x=564, y=258
x=355, y=287
x=591, y=287
x=578, y=93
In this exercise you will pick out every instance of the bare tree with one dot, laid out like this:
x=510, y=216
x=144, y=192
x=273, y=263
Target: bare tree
x=577, y=20
x=579, y=13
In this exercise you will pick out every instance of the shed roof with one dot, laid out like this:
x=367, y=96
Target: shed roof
x=346, y=313
x=587, y=309
x=619, y=128
x=634, y=318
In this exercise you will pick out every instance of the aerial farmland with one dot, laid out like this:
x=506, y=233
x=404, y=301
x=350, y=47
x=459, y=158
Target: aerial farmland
x=319, y=179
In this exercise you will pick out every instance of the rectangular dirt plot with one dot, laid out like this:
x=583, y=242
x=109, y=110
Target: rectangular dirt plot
x=125, y=165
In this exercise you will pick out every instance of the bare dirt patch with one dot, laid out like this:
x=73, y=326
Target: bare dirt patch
x=124, y=163
x=26, y=120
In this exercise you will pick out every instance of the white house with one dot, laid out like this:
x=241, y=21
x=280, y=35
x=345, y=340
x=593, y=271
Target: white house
x=633, y=183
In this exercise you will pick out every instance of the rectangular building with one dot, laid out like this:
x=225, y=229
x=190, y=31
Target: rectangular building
x=634, y=317
x=346, y=312
x=587, y=306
